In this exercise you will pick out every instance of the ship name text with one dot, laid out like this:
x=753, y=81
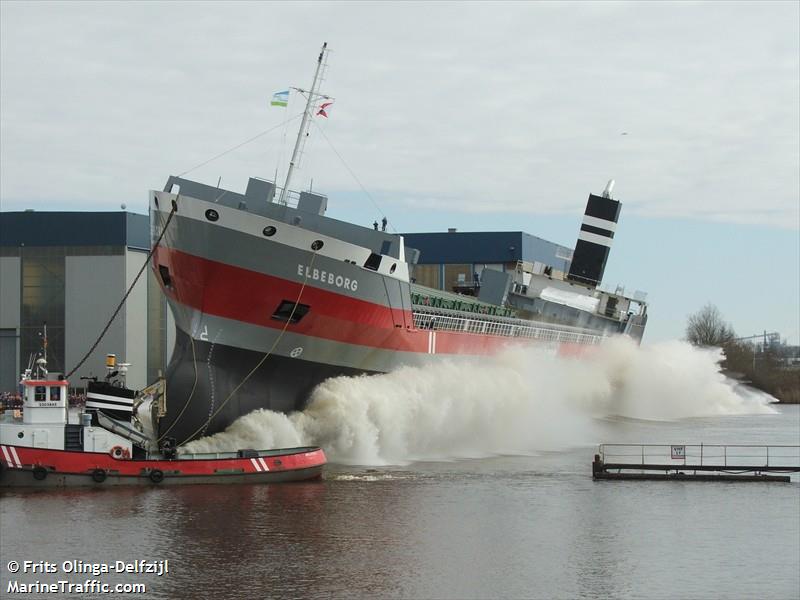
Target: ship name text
x=327, y=277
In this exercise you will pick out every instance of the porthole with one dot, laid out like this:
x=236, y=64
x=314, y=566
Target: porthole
x=269, y=231
x=212, y=215
x=317, y=245
x=392, y=268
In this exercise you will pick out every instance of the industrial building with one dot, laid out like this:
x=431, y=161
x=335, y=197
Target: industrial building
x=456, y=260
x=70, y=270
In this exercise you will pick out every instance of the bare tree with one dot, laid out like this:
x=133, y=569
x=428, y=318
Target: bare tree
x=707, y=328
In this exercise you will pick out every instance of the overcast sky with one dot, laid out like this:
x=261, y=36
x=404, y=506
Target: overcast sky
x=482, y=116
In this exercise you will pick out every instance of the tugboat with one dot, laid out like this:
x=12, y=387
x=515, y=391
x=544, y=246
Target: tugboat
x=111, y=443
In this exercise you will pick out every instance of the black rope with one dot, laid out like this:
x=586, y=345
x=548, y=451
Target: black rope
x=130, y=289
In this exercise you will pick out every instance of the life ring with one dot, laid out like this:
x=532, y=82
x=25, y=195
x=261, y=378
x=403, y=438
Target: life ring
x=99, y=475
x=119, y=452
x=156, y=475
x=39, y=473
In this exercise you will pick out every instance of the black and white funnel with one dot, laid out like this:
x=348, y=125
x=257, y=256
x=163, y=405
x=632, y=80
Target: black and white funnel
x=595, y=237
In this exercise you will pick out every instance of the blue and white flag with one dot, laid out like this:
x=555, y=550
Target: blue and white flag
x=280, y=98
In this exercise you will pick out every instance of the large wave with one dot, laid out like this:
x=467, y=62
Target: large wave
x=519, y=401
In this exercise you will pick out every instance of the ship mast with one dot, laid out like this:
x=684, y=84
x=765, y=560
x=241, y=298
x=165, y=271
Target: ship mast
x=303, y=133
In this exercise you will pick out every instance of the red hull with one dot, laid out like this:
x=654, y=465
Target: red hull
x=215, y=288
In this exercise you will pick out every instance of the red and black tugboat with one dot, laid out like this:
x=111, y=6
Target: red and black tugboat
x=109, y=443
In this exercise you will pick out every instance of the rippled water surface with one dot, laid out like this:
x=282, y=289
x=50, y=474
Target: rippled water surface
x=522, y=526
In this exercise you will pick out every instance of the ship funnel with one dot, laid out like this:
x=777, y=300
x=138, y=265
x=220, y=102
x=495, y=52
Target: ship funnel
x=595, y=237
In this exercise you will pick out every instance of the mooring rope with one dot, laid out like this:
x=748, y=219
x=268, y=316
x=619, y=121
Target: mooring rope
x=191, y=393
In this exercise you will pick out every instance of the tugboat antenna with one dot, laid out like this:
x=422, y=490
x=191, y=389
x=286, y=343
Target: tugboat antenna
x=303, y=133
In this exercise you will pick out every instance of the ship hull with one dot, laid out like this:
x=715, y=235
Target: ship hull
x=211, y=385
x=262, y=319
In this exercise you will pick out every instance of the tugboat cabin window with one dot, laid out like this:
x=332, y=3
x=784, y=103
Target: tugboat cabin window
x=55, y=393
x=287, y=311
x=40, y=394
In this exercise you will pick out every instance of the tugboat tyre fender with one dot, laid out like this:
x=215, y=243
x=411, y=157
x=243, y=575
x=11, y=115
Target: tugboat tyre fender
x=156, y=475
x=39, y=473
x=99, y=475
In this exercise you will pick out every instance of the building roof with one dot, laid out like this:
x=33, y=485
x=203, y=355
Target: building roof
x=34, y=228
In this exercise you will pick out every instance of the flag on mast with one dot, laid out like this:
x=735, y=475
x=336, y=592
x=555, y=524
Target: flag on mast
x=321, y=111
x=280, y=98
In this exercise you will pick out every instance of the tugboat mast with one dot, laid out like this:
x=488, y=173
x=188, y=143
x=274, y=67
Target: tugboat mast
x=40, y=364
x=44, y=344
x=303, y=133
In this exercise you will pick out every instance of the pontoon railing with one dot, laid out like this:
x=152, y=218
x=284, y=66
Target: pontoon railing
x=700, y=454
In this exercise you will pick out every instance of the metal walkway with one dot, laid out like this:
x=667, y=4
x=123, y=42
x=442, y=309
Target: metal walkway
x=705, y=462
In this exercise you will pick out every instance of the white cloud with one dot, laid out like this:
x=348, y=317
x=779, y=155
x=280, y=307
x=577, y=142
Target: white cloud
x=476, y=107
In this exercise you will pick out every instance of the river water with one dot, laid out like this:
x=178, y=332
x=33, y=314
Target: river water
x=529, y=526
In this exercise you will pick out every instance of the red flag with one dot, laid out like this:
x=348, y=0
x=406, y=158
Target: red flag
x=322, y=108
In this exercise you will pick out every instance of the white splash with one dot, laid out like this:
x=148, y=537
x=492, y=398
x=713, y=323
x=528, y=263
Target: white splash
x=520, y=401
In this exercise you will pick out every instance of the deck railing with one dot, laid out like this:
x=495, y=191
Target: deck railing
x=503, y=328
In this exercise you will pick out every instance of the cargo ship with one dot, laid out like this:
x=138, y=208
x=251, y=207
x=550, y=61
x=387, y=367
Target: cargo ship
x=271, y=297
